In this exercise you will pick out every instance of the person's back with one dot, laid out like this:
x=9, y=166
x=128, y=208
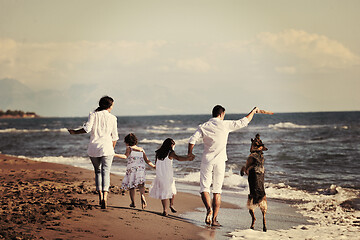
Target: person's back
x=164, y=169
x=102, y=126
x=215, y=135
x=136, y=159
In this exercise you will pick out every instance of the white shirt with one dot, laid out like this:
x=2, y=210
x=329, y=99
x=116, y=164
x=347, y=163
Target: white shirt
x=103, y=128
x=215, y=134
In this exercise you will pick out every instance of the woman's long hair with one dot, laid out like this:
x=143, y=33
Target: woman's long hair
x=104, y=103
x=165, y=149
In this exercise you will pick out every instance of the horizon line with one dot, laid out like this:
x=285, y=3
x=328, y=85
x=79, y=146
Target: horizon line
x=196, y=114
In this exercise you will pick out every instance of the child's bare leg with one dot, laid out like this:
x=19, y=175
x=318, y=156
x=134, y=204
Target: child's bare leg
x=132, y=197
x=172, y=204
x=142, y=196
x=165, y=206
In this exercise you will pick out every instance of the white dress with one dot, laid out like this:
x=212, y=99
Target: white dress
x=163, y=186
x=135, y=171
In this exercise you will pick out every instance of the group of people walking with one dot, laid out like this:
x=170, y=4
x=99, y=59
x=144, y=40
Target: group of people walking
x=102, y=126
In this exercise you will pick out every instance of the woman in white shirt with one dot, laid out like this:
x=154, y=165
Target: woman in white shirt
x=102, y=126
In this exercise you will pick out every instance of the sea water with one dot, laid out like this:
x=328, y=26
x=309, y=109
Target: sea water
x=312, y=161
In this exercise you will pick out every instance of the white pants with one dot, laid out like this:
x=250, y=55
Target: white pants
x=212, y=173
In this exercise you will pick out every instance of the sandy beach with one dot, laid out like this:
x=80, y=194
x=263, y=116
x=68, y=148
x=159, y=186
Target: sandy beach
x=54, y=201
x=42, y=200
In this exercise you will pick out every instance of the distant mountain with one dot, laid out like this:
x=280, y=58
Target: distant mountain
x=15, y=95
x=77, y=100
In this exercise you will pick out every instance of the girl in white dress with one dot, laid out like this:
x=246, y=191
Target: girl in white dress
x=163, y=186
x=135, y=170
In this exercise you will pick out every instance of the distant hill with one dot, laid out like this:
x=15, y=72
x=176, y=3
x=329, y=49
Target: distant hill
x=15, y=95
x=78, y=100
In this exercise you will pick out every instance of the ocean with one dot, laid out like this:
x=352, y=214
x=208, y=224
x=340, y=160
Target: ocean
x=312, y=162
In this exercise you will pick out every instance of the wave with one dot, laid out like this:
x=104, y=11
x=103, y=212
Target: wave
x=290, y=125
x=173, y=121
x=165, y=129
x=342, y=127
x=235, y=181
x=157, y=141
x=231, y=181
x=81, y=162
x=333, y=212
x=192, y=177
x=331, y=220
x=14, y=130
x=183, y=141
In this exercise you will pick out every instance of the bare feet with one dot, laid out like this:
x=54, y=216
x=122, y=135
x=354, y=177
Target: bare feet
x=173, y=210
x=104, y=201
x=132, y=205
x=103, y=204
x=143, y=202
x=208, y=217
x=165, y=214
x=215, y=224
x=101, y=198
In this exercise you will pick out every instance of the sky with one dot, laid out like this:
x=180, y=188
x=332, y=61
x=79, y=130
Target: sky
x=182, y=57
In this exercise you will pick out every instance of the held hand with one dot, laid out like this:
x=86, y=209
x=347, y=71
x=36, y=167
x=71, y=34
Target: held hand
x=122, y=156
x=191, y=157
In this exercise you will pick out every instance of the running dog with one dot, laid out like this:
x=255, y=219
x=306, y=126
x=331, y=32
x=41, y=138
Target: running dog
x=255, y=170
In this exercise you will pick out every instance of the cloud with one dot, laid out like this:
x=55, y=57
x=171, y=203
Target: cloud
x=318, y=50
x=286, y=70
x=53, y=62
x=131, y=69
x=45, y=65
x=8, y=49
x=194, y=65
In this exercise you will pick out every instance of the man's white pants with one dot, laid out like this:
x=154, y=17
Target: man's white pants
x=212, y=173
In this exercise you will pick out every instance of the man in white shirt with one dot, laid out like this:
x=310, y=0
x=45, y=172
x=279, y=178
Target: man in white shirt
x=215, y=134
